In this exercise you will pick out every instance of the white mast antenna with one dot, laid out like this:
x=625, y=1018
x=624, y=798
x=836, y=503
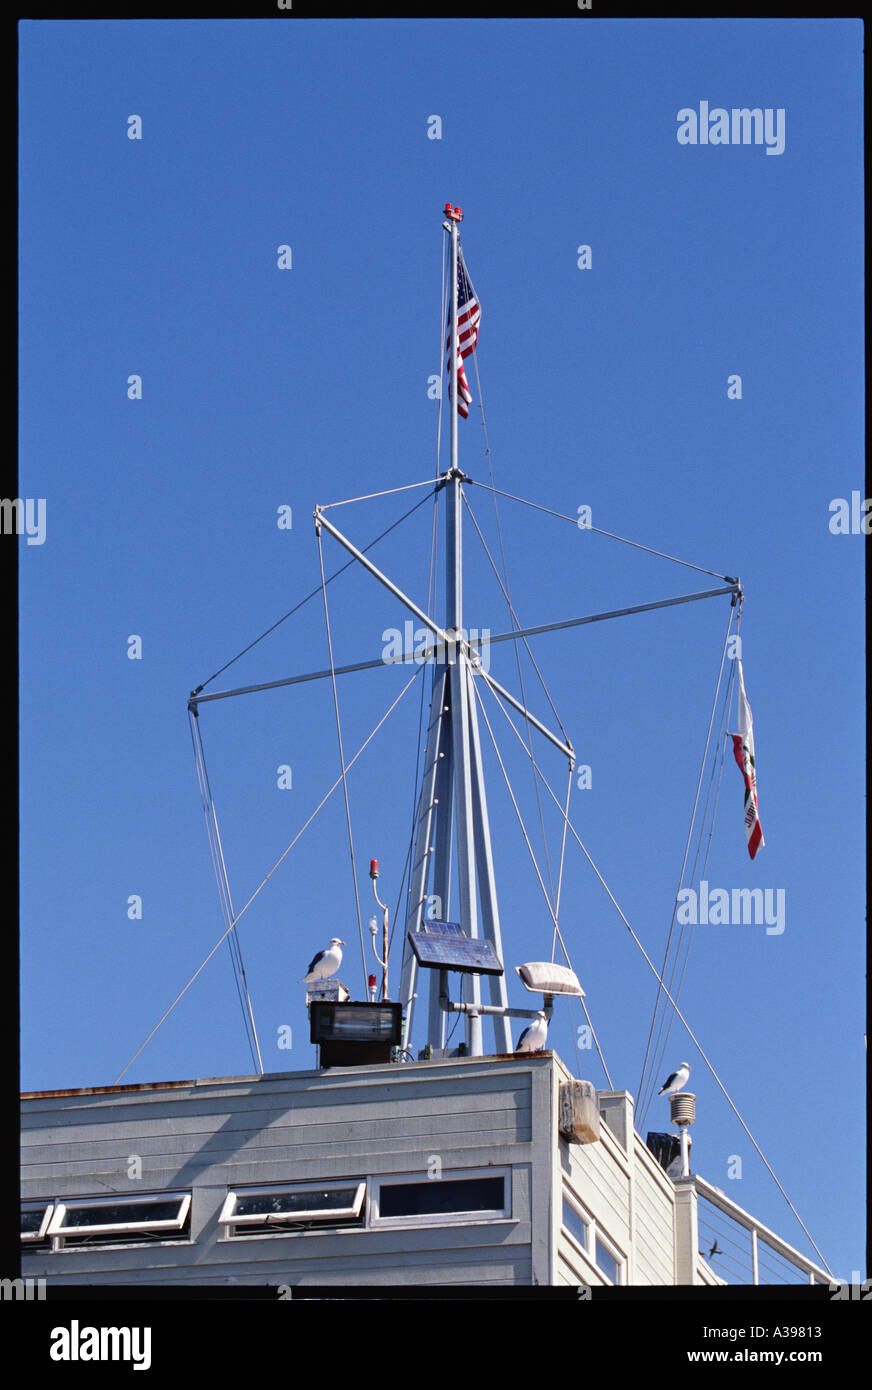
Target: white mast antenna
x=453, y=777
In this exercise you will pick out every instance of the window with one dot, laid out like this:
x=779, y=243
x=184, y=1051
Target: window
x=606, y=1262
x=126, y=1220
x=574, y=1223
x=476, y=1195
x=282, y=1210
x=580, y=1224
x=35, y=1217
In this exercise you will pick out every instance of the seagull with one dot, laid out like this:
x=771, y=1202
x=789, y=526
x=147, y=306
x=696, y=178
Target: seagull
x=325, y=963
x=533, y=1039
x=675, y=1082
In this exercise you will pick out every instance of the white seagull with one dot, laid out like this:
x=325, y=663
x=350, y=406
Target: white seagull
x=533, y=1039
x=675, y=1082
x=325, y=963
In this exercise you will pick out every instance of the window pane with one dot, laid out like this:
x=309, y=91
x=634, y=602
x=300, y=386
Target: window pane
x=606, y=1262
x=286, y=1203
x=575, y=1224
x=440, y=1196
x=127, y=1214
x=31, y=1221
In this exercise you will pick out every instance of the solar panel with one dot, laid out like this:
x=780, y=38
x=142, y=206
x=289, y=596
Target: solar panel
x=445, y=946
x=436, y=927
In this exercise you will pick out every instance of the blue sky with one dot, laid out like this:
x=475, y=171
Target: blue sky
x=607, y=387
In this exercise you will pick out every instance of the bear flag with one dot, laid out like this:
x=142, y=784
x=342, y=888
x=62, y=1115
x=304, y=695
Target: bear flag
x=743, y=749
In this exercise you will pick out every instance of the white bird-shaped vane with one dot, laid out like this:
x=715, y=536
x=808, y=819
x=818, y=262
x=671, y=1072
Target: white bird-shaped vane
x=675, y=1082
x=533, y=1039
x=326, y=962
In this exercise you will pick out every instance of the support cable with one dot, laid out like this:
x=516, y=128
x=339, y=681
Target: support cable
x=368, y=497
x=661, y=1048
x=611, y=534
x=536, y=867
x=219, y=867
x=264, y=881
x=515, y=623
x=406, y=889
x=562, y=860
x=652, y=967
x=304, y=601
x=342, y=762
x=505, y=587
x=642, y=1077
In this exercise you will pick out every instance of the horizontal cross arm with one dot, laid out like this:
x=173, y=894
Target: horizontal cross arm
x=486, y=640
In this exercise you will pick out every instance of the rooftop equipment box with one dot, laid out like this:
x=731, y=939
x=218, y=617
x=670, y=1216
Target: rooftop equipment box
x=579, y=1112
x=353, y=1034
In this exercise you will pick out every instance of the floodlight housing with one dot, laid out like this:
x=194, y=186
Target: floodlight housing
x=544, y=977
x=355, y=1034
x=353, y=1022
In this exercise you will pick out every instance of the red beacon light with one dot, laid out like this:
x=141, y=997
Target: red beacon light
x=456, y=214
x=373, y=868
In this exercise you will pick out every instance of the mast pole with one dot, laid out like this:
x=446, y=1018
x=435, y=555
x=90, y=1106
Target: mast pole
x=457, y=671
x=454, y=593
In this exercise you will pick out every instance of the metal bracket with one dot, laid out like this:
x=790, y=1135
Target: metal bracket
x=475, y=1010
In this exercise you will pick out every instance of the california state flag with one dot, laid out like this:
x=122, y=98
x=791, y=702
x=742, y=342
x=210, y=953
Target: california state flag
x=743, y=748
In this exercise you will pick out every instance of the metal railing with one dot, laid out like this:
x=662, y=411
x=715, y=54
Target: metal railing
x=741, y=1250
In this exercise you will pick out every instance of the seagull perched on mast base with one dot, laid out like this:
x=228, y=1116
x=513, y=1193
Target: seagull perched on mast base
x=675, y=1082
x=326, y=962
x=533, y=1039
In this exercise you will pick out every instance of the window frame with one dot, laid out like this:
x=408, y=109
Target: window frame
x=614, y=1253
x=595, y=1233
x=32, y=1237
x=238, y=1227
x=582, y=1215
x=492, y=1215
x=62, y=1234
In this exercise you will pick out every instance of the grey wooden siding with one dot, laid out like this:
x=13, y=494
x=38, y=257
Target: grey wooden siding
x=212, y=1136
x=601, y=1177
x=653, y=1219
x=573, y=1269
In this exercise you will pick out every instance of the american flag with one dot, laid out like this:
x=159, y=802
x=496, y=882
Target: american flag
x=468, y=317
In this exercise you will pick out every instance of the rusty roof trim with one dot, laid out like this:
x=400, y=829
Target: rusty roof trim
x=266, y=1076
x=105, y=1090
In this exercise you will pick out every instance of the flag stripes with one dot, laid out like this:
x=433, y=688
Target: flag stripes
x=468, y=318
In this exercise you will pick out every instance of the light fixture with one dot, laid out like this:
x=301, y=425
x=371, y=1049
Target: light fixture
x=544, y=977
x=355, y=1034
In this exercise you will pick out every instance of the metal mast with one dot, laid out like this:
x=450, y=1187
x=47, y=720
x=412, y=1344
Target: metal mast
x=453, y=779
x=452, y=803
